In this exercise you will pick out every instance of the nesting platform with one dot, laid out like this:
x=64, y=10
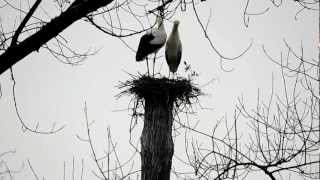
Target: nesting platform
x=159, y=97
x=145, y=87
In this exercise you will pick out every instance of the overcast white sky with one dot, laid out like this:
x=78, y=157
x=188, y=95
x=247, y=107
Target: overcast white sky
x=48, y=91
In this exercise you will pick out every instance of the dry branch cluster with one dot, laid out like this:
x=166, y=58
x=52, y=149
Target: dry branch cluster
x=182, y=90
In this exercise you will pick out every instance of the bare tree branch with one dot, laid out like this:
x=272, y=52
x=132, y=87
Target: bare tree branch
x=77, y=10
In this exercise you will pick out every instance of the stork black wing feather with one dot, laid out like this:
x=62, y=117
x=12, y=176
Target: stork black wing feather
x=144, y=47
x=179, y=57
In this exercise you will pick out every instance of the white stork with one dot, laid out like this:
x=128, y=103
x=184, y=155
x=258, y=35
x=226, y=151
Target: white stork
x=173, y=49
x=151, y=42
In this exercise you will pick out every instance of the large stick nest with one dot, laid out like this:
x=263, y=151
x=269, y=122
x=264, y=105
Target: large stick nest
x=179, y=90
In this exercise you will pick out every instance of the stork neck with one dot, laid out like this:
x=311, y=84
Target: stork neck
x=161, y=26
x=175, y=29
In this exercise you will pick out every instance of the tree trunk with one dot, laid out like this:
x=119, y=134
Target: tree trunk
x=156, y=140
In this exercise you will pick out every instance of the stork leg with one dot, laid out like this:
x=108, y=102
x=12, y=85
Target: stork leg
x=147, y=66
x=154, y=61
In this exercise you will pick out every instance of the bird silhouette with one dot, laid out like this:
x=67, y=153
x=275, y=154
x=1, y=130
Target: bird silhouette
x=173, y=49
x=151, y=42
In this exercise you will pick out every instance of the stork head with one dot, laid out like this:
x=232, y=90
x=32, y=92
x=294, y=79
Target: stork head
x=176, y=22
x=175, y=25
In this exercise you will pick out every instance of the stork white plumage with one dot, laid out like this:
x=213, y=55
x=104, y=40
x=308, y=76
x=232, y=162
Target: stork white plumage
x=173, y=49
x=151, y=42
